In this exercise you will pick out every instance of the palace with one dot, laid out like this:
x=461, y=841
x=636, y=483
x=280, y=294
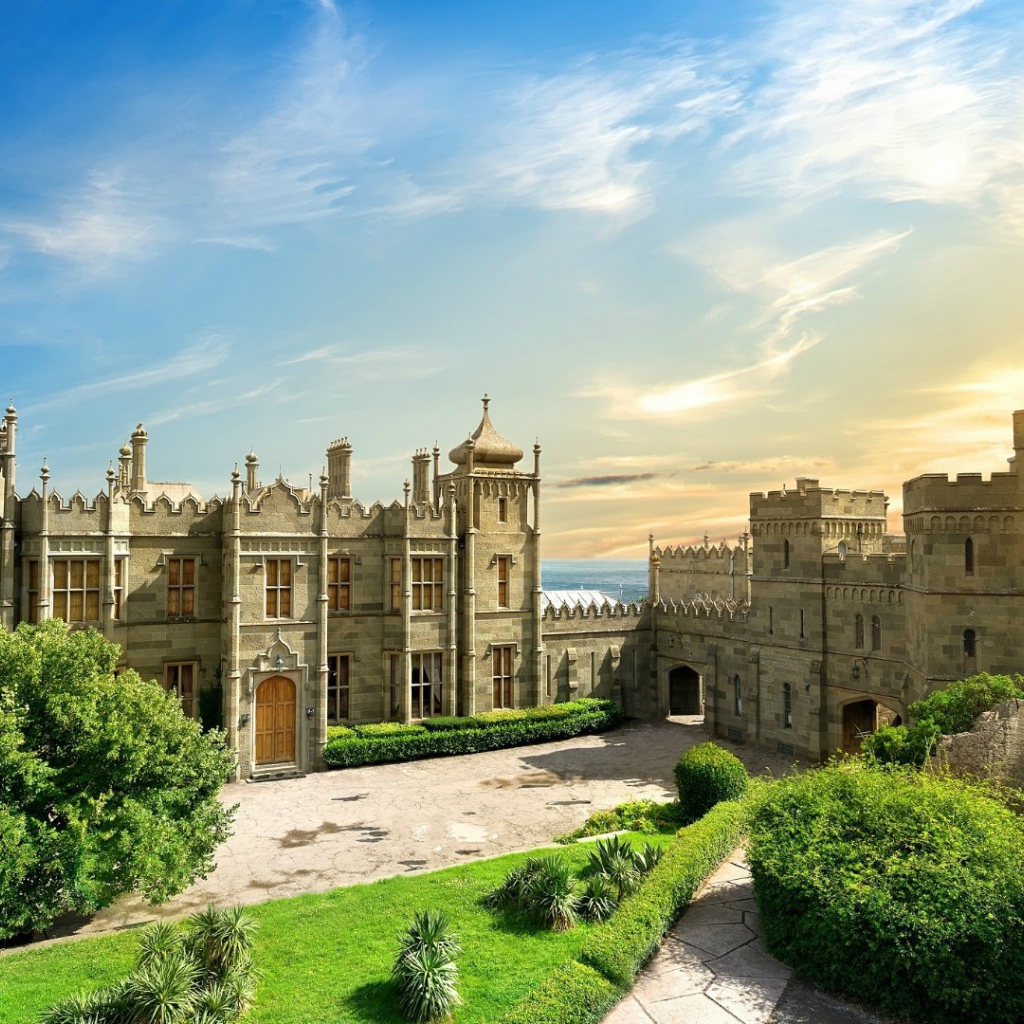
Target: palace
x=298, y=608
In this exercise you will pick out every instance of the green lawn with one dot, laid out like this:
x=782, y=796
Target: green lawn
x=326, y=957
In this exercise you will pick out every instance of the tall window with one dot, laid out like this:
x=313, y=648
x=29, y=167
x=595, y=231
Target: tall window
x=968, y=557
x=339, y=584
x=501, y=676
x=785, y=554
x=338, y=674
x=118, y=586
x=181, y=587
x=876, y=633
x=279, y=588
x=504, y=571
x=503, y=510
x=426, y=684
x=858, y=631
x=76, y=589
x=180, y=678
x=395, y=584
x=32, y=611
x=787, y=706
x=771, y=620
x=970, y=644
x=427, y=584
x=737, y=696
x=394, y=670
x=803, y=625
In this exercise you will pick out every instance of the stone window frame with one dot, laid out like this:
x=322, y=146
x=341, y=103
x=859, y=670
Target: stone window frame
x=876, y=633
x=339, y=591
x=189, y=705
x=737, y=696
x=502, y=509
x=787, y=706
x=858, y=631
x=333, y=713
x=503, y=674
x=278, y=597
x=418, y=688
x=69, y=590
x=183, y=590
x=969, y=557
x=427, y=594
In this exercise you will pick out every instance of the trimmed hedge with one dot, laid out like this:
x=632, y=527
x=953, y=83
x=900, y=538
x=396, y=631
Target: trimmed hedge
x=374, y=745
x=377, y=729
x=706, y=775
x=620, y=947
x=572, y=994
x=900, y=888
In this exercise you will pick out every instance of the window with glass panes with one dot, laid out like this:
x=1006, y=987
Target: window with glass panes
x=338, y=689
x=427, y=584
x=504, y=571
x=425, y=684
x=181, y=587
x=394, y=670
x=118, y=586
x=180, y=678
x=32, y=611
x=76, y=589
x=501, y=675
x=339, y=584
x=395, y=584
x=279, y=588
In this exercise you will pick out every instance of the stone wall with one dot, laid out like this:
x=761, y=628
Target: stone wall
x=993, y=749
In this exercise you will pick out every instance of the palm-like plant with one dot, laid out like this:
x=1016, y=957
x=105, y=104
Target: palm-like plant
x=597, y=899
x=426, y=979
x=157, y=943
x=648, y=857
x=616, y=860
x=165, y=992
x=555, y=894
x=515, y=888
x=224, y=937
x=425, y=970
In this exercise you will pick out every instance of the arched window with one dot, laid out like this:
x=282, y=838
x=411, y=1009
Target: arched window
x=737, y=696
x=858, y=631
x=968, y=557
x=787, y=706
x=970, y=644
x=876, y=633
x=785, y=554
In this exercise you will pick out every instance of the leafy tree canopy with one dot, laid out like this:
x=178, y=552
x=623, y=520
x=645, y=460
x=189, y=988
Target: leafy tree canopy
x=105, y=787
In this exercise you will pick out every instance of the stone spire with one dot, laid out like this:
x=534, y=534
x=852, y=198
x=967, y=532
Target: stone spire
x=490, y=450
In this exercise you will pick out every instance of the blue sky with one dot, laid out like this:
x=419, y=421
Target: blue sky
x=696, y=249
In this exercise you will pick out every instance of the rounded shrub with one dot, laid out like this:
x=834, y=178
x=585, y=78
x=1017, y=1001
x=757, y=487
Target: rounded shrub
x=706, y=775
x=901, y=888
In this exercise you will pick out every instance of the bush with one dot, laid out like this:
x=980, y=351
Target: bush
x=443, y=723
x=899, y=888
x=706, y=775
x=340, y=732
x=572, y=994
x=425, y=970
x=898, y=745
x=621, y=946
x=373, y=745
x=553, y=896
x=105, y=787
x=201, y=972
x=957, y=707
x=378, y=729
x=633, y=816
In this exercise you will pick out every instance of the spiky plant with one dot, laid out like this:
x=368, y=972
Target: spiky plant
x=165, y=992
x=555, y=894
x=648, y=857
x=157, y=943
x=426, y=978
x=514, y=890
x=80, y=1008
x=597, y=898
x=224, y=937
x=616, y=860
x=218, y=1002
x=429, y=930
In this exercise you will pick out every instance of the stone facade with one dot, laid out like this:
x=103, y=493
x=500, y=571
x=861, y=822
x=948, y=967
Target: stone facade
x=308, y=607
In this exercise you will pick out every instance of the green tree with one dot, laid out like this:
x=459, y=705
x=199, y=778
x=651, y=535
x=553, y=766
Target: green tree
x=105, y=787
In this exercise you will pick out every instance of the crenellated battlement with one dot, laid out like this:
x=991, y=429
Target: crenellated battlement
x=698, y=607
x=936, y=492
x=611, y=610
x=718, y=554
x=808, y=500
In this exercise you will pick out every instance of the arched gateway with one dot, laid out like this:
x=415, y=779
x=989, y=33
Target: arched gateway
x=275, y=721
x=684, y=691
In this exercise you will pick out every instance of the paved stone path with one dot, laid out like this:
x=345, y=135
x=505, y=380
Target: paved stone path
x=357, y=825
x=713, y=969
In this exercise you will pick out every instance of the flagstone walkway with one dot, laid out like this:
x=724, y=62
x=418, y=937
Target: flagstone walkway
x=713, y=969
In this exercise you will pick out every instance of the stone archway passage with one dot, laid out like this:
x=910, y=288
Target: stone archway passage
x=860, y=719
x=275, y=721
x=683, y=691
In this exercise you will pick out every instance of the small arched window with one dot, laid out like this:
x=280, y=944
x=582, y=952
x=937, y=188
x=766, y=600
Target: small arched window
x=876, y=633
x=858, y=631
x=969, y=557
x=970, y=644
x=842, y=551
x=785, y=554
x=737, y=696
x=787, y=706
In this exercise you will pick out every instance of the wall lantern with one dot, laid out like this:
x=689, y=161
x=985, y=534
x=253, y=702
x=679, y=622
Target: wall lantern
x=279, y=664
x=245, y=720
x=310, y=712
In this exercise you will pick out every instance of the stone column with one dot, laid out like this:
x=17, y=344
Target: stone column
x=318, y=726
x=405, y=701
x=45, y=584
x=233, y=624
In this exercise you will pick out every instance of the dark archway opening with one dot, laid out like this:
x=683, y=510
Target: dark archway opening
x=684, y=691
x=861, y=719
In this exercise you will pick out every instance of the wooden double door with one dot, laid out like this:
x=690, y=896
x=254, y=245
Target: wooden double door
x=275, y=721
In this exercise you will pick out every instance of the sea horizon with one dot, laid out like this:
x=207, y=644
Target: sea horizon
x=623, y=579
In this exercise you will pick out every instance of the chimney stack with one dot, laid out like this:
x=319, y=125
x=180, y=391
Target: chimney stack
x=139, y=439
x=339, y=469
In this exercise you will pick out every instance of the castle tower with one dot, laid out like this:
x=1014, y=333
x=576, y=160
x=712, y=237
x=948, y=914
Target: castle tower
x=339, y=469
x=139, y=440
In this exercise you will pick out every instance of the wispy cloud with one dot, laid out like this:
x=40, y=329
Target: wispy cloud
x=606, y=480
x=407, y=362
x=200, y=358
x=213, y=406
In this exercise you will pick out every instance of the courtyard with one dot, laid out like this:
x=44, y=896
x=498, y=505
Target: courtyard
x=340, y=828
